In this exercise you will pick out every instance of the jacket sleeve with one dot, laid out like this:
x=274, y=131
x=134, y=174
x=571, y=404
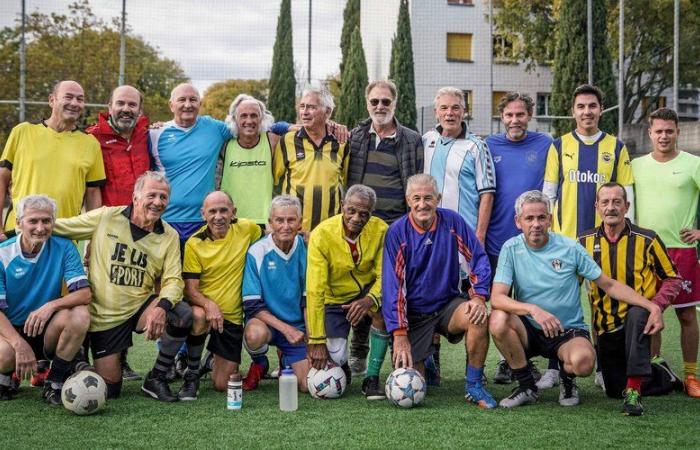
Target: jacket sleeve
x=316, y=282
x=394, y=284
x=171, y=285
x=473, y=262
x=419, y=154
x=80, y=228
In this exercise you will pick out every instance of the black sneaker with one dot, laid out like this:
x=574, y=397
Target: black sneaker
x=632, y=405
x=5, y=392
x=371, y=388
x=348, y=373
x=503, y=373
x=180, y=364
x=536, y=374
x=190, y=387
x=157, y=387
x=52, y=395
x=128, y=374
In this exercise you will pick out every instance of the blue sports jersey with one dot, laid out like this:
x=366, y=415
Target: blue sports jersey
x=463, y=169
x=548, y=277
x=423, y=270
x=275, y=281
x=519, y=168
x=28, y=284
x=188, y=157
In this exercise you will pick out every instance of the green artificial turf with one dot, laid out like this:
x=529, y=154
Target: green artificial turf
x=443, y=421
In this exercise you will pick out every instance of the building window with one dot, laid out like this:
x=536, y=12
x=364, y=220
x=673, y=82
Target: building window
x=461, y=2
x=496, y=97
x=468, y=101
x=503, y=49
x=651, y=104
x=542, y=108
x=459, y=47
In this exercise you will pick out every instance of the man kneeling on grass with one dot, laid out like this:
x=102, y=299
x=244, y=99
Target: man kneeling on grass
x=35, y=321
x=547, y=317
x=274, y=290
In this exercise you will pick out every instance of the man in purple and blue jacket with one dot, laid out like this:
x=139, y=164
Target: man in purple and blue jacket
x=435, y=279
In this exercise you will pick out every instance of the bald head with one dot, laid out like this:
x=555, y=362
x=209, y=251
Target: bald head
x=67, y=101
x=219, y=211
x=184, y=103
x=125, y=107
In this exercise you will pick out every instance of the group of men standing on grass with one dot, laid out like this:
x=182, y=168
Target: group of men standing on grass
x=403, y=239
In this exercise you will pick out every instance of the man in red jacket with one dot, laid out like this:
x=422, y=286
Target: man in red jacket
x=123, y=135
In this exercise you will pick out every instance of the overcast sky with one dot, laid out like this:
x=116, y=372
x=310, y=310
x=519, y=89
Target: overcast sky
x=216, y=40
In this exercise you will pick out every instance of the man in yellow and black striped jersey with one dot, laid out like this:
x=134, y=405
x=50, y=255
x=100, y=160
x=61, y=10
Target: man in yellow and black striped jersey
x=636, y=257
x=311, y=164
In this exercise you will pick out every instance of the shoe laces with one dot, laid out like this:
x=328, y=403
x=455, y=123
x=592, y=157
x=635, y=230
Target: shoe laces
x=632, y=396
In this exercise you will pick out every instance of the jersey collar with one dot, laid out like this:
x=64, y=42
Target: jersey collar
x=138, y=232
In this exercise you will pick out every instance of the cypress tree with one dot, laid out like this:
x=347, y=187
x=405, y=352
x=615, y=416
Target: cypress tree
x=401, y=69
x=351, y=20
x=571, y=62
x=351, y=104
x=281, y=101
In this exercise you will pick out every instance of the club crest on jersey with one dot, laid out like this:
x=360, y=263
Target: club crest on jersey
x=557, y=264
x=531, y=156
x=606, y=157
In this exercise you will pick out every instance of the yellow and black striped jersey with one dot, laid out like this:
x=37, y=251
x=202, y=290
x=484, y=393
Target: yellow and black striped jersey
x=314, y=174
x=637, y=259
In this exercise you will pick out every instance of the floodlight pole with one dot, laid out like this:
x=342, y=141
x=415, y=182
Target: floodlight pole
x=676, y=49
x=621, y=71
x=22, y=65
x=590, y=41
x=122, y=45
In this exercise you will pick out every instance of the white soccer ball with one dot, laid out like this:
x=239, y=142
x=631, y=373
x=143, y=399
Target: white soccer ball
x=405, y=387
x=326, y=383
x=84, y=393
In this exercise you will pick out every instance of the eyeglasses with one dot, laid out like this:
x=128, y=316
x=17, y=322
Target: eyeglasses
x=385, y=101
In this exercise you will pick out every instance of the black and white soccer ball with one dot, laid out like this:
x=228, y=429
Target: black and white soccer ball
x=405, y=387
x=326, y=383
x=84, y=393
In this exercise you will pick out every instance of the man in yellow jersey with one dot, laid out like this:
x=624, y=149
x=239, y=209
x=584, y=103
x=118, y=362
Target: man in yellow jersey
x=131, y=248
x=668, y=182
x=636, y=257
x=54, y=157
x=213, y=271
x=343, y=285
x=311, y=163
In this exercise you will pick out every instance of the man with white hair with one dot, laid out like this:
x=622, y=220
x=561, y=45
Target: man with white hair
x=311, y=163
x=36, y=322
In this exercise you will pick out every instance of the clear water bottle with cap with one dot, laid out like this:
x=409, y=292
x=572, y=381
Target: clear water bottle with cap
x=234, y=397
x=289, y=394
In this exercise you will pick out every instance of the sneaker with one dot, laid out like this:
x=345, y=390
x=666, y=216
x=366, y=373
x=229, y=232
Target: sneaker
x=371, y=388
x=180, y=364
x=52, y=394
x=40, y=375
x=599, y=380
x=157, y=387
x=190, y=387
x=358, y=366
x=255, y=374
x=432, y=373
x=568, y=392
x=676, y=381
x=549, y=379
x=692, y=386
x=207, y=365
x=503, y=373
x=6, y=392
x=519, y=397
x=347, y=372
x=632, y=405
x=128, y=373
x=171, y=374
x=275, y=374
x=480, y=396
x=536, y=374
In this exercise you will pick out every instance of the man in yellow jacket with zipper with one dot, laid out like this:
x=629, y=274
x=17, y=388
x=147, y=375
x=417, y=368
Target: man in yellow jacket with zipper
x=343, y=285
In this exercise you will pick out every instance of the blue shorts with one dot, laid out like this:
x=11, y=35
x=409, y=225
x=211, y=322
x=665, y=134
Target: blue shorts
x=291, y=353
x=185, y=230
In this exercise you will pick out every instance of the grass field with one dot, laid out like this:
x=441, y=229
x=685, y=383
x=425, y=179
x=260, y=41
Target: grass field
x=443, y=421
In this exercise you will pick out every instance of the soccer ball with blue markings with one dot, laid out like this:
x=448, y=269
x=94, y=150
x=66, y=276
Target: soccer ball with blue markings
x=405, y=387
x=326, y=383
x=84, y=393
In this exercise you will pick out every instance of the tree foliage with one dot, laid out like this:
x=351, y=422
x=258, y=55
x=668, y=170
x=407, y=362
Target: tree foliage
x=401, y=69
x=80, y=47
x=351, y=20
x=282, y=81
x=351, y=104
x=218, y=97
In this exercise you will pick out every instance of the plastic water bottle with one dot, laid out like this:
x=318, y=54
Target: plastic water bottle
x=234, y=398
x=289, y=400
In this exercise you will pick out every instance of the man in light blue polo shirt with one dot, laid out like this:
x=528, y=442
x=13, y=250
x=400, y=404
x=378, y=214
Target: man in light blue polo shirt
x=547, y=317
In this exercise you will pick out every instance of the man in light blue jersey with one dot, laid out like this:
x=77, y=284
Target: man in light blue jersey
x=36, y=322
x=461, y=164
x=274, y=292
x=519, y=158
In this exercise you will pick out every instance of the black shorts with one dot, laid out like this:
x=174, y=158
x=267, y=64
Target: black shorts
x=228, y=343
x=115, y=340
x=540, y=345
x=337, y=324
x=421, y=328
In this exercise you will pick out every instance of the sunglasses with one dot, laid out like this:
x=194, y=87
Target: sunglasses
x=385, y=101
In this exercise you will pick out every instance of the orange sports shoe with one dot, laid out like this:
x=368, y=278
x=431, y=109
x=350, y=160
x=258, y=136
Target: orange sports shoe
x=692, y=386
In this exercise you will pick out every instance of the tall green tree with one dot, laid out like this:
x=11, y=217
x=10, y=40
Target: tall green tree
x=218, y=97
x=571, y=62
x=401, y=68
x=351, y=20
x=80, y=47
x=282, y=81
x=351, y=104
